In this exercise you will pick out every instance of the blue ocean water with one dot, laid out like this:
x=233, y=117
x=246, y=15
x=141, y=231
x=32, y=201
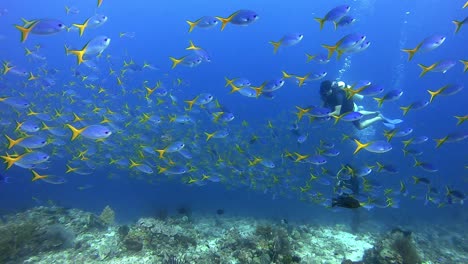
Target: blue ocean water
x=158, y=31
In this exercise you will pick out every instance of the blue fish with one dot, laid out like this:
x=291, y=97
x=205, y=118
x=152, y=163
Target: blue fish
x=40, y=27
x=390, y=96
x=335, y=14
x=427, y=44
x=286, y=41
x=203, y=22
x=240, y=17
x=344, y=21
x=440, y=66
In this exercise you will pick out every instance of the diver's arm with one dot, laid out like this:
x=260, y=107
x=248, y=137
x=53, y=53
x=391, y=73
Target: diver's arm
x=337, y=111
x=358, y=96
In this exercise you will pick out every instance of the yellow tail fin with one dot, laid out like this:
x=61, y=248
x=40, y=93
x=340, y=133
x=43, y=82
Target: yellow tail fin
x=331, y=50
x=407, y=142
x=321, y=21
x=426, y=69
x=379, y=101
x=224, y=21
x=458, y=25
x=286, y=75
x=405, y=109
x=191, y=102
x=433, y=95
x=79, y=54
x=302, y=79
x=192, y=25
x=11, y=160
x=440, y=141
x=234, y=88
x=410, y=52
x=76, y=132
x=24, y=31
x=436, y=93
x=209, y=136
x=82, y=27
x=461, y=119
x=133, y=164
x=465, y=65
x=13, y=142
x=36, y=176
x=228, y=82
x=360, y=146
x=310, y=57
x=175, y=61
x=276, y=45
x=161, y=152
x=337, y=118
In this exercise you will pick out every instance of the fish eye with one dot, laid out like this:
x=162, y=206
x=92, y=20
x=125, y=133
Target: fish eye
x=60, y=25
x=106, y=39
x=107, y=132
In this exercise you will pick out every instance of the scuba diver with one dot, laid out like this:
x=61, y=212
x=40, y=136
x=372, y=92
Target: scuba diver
x=347, y=188
x=334, y=97
x=346, y=199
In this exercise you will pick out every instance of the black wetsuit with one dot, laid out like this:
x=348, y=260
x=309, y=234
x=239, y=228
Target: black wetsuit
x=338, y=97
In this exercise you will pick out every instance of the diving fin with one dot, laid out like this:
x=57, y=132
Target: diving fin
x=390, y=121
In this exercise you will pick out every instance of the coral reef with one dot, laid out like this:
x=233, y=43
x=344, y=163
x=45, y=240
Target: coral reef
x=58, y=237
x=45, y=235
x=17, y=239
x=132, y=244
x=123, y=231
x=396, y=247
x=107, y=215
x=43, y=229
x=274, y=240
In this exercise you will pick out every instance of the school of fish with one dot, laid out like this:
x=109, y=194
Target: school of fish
x=87, y=126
